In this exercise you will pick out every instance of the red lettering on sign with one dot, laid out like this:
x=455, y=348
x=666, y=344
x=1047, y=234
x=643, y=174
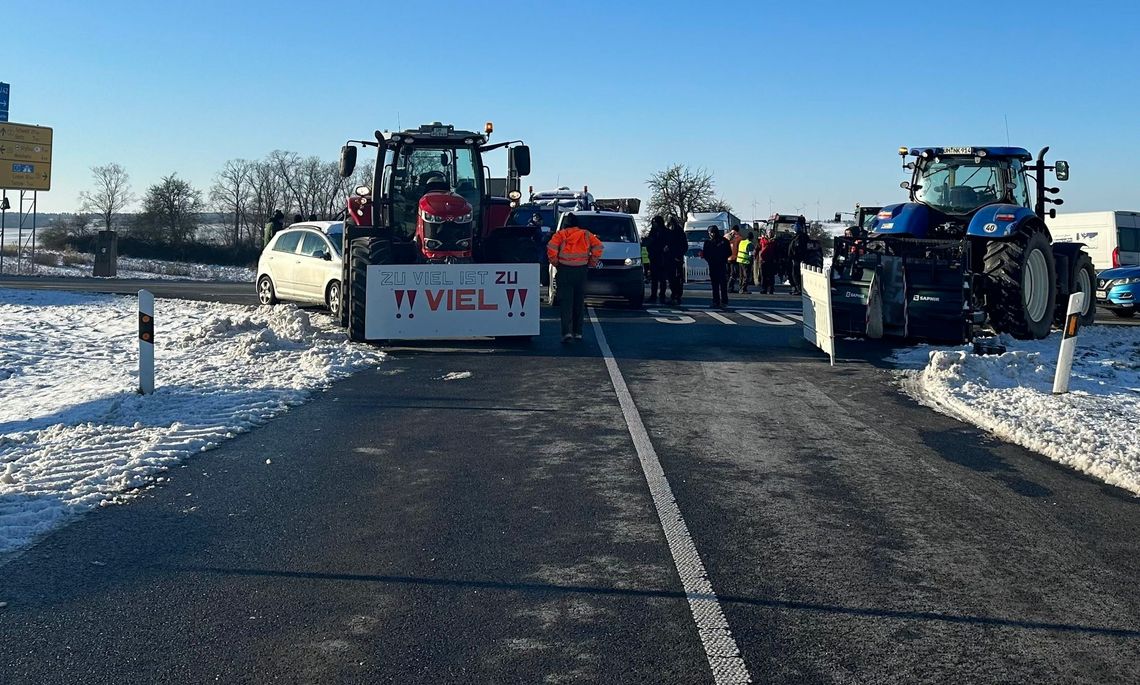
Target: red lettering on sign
x=434, y=298
x=486, y=306
x=463, y=301
x=522, y=298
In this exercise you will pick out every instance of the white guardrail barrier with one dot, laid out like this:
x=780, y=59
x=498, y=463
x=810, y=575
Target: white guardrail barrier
x=696, y=269
x=819, y=327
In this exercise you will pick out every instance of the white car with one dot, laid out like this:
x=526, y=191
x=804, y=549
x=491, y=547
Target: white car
x=303, y=264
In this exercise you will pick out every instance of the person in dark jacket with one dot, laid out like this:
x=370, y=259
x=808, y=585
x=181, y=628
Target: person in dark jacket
x=676, y=245
x=274, y=226
x=297, y=218
x=716, y=250
x=797, y=251
x=658, y=270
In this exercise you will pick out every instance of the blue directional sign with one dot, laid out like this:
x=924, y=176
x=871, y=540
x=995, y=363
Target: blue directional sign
x=4, y=90
x=23, y=169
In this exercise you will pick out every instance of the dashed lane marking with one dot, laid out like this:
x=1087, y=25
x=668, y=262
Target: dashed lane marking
x=728, y=667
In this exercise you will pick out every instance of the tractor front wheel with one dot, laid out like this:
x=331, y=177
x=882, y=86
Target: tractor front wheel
x=1021, y=277
x=1083, y=280
x=365, y=252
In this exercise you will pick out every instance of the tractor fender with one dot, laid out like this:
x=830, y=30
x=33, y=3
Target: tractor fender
x=907, y=218
x=995, y=222
x=1065, y=256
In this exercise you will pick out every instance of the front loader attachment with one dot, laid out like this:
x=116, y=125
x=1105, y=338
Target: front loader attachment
x=902, y=288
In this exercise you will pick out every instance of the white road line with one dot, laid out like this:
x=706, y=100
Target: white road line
x=721, y=318
x=724, y=658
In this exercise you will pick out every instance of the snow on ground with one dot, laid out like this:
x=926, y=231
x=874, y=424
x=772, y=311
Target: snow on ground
x=456, y=376
x=77, y=264
x=1095, y=428
x=73, y=432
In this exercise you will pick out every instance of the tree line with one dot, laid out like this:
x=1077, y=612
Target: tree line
x=244, y=193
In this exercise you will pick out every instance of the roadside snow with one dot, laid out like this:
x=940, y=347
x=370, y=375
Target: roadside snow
x=456, y=376
x=1094, y=428
x=73, y=432
x=76, y=264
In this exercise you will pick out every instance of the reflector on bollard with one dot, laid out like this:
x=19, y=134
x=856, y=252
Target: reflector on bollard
x=1068, y=344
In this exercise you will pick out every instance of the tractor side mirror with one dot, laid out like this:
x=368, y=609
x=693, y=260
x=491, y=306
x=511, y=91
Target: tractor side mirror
x=1062, y=169
x=905, y=185
x=347, y=160
x=520, y=159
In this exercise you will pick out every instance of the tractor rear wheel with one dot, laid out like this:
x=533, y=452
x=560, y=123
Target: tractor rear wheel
x=365, y=252
x=1082, y=279
x=1021, y=278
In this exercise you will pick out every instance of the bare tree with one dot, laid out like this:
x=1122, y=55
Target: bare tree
x=268, y=195
x=170, y=211
x=679, y=190
x=232, y=193
x=111, y=195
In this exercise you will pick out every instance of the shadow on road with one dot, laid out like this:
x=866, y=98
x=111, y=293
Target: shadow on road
x=789, y=605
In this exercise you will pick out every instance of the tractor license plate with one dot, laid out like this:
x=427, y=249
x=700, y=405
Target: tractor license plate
x=1102, y=294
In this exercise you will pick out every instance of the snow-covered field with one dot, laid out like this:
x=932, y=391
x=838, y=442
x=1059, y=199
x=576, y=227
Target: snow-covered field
x=1095, y=428
x=73, y=432
x=76, y=264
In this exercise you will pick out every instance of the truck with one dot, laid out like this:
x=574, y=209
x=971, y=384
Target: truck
x=969, y=247
x=698, y=223
x=1112, y=238
x=429, y=204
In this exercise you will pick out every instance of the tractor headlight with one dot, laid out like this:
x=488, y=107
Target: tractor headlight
x=432, y=218
x=466, y=218
x=465, y=243
x=514, y=195
x=633, y=261
x=433, y=244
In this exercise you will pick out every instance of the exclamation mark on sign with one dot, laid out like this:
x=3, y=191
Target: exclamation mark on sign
x=411, y=303
x=510, y=302
x=522, y=302
x=399, y=302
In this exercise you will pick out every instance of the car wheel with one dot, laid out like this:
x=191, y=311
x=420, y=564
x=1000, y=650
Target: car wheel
x=266, y=294
x=332, y=299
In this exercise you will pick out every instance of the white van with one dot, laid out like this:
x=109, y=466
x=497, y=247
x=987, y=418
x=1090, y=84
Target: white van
x=1112, y=239
x=620, y=273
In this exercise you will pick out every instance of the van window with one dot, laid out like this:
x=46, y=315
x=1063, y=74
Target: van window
x=609, y=229
x=1128, y=239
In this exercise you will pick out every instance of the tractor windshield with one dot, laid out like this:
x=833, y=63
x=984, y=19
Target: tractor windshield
x=416, y=166
x=959, y=185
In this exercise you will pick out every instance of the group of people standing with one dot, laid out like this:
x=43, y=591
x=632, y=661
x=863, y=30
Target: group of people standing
x=666, y=248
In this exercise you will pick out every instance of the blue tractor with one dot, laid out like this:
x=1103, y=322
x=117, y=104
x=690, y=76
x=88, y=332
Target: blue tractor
x=970, y=247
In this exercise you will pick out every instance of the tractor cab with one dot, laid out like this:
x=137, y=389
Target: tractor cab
x=429, y=192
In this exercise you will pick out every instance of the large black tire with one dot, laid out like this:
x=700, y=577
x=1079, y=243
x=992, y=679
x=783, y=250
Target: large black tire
x=365, y=252
x=1021, y=283
x=1082, y=279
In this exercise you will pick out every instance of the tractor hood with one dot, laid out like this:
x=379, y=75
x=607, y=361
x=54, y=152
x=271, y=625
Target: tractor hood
x=445, y=205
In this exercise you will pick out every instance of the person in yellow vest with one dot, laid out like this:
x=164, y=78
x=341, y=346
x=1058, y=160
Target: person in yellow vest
x=744, y=260
x=572, y=250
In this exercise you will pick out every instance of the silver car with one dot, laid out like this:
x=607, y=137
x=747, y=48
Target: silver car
x=302, y=264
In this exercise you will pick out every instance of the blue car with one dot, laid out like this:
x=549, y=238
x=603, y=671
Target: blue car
x=1117, y=290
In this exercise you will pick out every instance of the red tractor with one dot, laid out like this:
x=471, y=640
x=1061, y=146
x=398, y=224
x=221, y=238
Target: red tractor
x=429, y=203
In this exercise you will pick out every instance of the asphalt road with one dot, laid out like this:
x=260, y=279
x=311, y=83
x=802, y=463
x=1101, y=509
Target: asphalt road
x=505, y=528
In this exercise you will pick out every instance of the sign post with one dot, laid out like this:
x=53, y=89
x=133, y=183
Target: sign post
x=1068, y=343
x=146, y=342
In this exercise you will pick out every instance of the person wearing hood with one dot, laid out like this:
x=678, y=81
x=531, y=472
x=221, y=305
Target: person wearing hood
x=658, y=270
x=716, y=252
x=274, y=226
x=676, y=245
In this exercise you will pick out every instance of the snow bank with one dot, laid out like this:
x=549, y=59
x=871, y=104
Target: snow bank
x=73, y=432
x=1095, y=428
x=74, y=264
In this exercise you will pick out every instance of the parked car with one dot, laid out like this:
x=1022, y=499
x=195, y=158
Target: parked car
x=303, y=264
x=1117, y=290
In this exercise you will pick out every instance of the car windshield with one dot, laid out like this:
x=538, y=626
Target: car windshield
x=609, y=229
x=697, y=236
x=959, y=185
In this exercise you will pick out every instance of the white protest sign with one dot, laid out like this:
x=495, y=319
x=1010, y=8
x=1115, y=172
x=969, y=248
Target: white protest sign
x=438, y=301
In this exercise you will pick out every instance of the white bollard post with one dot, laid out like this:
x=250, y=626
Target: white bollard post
x=1068, y=343
x=146, y=342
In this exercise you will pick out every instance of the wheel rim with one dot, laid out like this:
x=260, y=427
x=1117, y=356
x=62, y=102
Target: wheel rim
x=1084, y=286
x=334, y=299
x=1034, y=285
x=265, y=291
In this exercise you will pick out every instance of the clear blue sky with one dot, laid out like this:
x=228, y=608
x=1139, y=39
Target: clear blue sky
x=800, y=102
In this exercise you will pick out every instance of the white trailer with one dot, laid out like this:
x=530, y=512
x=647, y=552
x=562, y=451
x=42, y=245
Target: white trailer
x=1112, y=239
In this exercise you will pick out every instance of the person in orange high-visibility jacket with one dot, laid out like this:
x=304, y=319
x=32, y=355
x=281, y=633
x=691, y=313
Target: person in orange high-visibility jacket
x=572, y=251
